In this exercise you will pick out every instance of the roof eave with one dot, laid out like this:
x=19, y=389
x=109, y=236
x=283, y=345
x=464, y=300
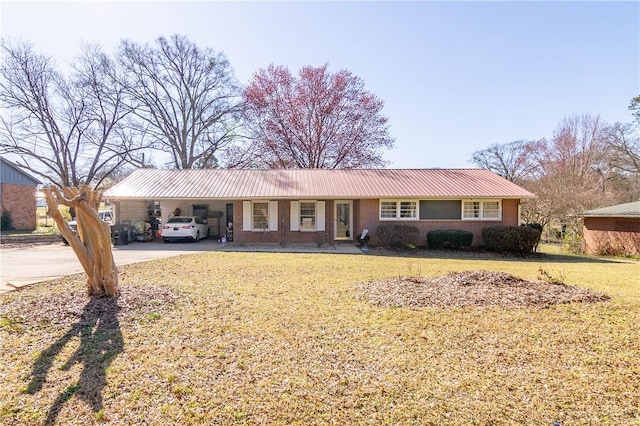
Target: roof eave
x=329, y=197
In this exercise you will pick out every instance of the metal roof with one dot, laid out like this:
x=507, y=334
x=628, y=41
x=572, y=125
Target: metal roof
x=12, y=173
x=621, y=210
x=235, y=184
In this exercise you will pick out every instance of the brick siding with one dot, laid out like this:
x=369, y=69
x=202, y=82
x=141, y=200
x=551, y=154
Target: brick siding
x=365, y=216
x=20, y=202
x=283, y=235
x=369, y=220
x=610, y=235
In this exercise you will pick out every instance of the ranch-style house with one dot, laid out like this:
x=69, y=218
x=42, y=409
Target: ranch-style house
x=295, y=206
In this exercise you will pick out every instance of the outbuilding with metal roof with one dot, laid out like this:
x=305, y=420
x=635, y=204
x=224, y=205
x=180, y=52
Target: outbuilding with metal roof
x=613, y=230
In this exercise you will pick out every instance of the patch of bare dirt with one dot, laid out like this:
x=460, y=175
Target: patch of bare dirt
x=65, y=309
x=473, y=288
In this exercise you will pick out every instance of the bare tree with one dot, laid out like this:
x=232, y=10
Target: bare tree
x=317, y=120
x=186, y=98
x=624, y=147
x=575, y=173
x=514, y=161
x=92, y=242
x=577, y=148
x=98, y=79
x=623, y=151
x=585, y=164
x=64, y=130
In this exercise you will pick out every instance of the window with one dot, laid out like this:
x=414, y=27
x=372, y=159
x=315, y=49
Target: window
x=487, y=210
x=471, y=210
x=408, y=209
x=398, y=210
x=388, y=210
x=260, y=216
x=307, y=215
x=441, y=209
x=491, y=210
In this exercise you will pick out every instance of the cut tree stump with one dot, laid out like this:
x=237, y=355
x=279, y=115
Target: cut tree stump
x=92, y=241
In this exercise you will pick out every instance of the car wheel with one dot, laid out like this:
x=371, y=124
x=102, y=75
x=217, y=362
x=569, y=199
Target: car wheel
x=197, y=236
x=166, y=240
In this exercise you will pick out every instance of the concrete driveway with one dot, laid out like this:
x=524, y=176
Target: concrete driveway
x=20, y=266
x=30, y=264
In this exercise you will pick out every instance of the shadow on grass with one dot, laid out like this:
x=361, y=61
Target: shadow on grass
x=100, y=342
x=492, y=256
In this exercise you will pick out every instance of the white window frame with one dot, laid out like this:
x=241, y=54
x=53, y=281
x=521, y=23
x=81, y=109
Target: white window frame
x=482, y=210
x=263, y=225
x=247, y=216
x=399, y=210
x=308, y=215
x=296, y=216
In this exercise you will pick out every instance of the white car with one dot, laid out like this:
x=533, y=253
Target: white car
x=105, y=215
x=184, y=228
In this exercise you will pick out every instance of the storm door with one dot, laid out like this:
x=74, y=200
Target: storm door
x=343, y=220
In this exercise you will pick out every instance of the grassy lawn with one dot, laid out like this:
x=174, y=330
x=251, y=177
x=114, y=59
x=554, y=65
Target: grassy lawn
x=264, y=338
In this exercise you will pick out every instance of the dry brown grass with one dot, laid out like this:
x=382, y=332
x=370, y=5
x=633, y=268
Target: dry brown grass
x=259, y=338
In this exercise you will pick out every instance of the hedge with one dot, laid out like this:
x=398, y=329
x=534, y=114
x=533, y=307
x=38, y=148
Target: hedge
x=397, y=236
x=511, y=238
x=449, y=238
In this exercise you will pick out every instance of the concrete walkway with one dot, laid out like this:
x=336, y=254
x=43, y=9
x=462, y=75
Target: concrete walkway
x=24, y=265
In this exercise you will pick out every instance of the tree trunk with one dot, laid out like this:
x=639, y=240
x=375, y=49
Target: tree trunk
x=92, y=242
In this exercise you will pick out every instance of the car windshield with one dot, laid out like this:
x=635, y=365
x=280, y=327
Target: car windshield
x=180, y=220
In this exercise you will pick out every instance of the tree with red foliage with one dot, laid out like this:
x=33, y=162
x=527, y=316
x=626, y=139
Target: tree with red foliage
x=317, y=120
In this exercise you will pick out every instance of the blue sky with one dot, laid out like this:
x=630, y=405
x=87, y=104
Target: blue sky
x=456, y=77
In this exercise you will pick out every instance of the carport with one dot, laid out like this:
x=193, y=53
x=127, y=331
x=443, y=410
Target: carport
x=217, y=213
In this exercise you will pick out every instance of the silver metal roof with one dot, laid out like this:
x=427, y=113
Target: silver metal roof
x=620, y=210
x=235, y=184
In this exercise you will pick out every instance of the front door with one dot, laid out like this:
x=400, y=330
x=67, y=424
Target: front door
x=343, y=220
x=229, y=224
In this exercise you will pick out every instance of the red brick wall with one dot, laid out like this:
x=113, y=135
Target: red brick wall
x=365, y=216
x=283, y=235
x=368, y=219
x=20, y=202
x=610, y=235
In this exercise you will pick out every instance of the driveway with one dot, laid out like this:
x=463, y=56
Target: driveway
x=20, y=266
x=30, y=264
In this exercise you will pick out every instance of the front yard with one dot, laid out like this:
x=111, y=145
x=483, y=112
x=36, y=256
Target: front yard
x=266, y=338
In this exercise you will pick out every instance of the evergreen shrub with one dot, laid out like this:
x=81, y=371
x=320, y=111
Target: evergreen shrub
x=449, y=238
x=397, y=235
x=521, y=239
